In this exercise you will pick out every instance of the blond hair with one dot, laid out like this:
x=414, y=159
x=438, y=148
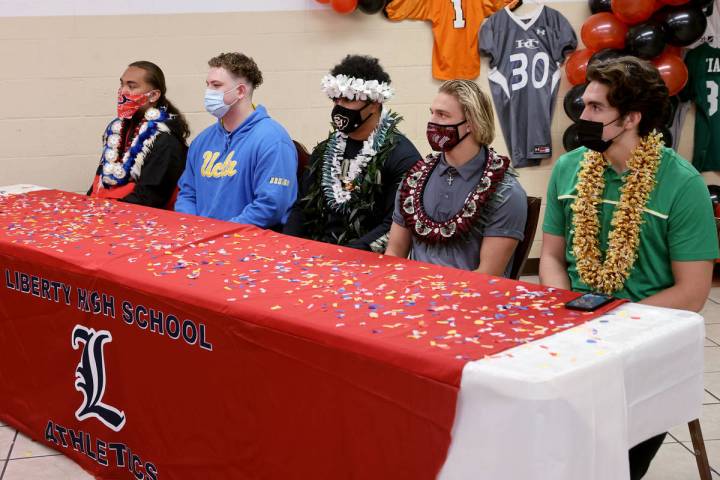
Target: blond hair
x=476, y=107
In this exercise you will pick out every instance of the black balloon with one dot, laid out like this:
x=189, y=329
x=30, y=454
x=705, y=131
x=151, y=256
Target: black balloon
x=573, y=103
x=704, y=5
x=606, y=54
x=571, y=141
x=597, y=6
x=683, y=25
x=371, y=6
x=646, y=40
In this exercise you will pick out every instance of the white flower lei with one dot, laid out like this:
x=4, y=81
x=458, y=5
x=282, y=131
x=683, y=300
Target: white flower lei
x=356, y=88
x=338, y=188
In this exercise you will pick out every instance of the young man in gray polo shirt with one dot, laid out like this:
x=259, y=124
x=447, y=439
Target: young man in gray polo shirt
x=463, y=207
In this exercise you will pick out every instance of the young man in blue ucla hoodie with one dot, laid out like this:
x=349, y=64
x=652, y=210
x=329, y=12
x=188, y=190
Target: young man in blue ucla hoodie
x=244, y=167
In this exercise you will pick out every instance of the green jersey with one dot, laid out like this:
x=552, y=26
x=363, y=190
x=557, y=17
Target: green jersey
x=703, y=88
x=678, y=222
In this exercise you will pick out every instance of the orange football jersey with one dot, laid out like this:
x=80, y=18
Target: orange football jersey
x=455, y=26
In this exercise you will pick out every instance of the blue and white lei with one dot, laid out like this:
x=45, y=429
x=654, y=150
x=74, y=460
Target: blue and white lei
x=117, y=172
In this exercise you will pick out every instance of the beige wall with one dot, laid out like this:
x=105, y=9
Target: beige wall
x=60, y=74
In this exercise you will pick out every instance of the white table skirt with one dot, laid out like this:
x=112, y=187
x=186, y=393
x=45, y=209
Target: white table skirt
x=569, y=406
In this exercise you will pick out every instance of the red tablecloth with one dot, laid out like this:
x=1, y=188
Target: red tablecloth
x=149, y=344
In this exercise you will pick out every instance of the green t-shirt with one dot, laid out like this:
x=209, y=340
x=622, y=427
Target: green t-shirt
x=703, y=88
x=678, y=222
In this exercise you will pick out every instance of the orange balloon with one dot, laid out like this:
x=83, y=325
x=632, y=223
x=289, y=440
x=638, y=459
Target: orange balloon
x=603, y=30
x=673, y=71
x=576, y=65
x=344, y=6
x=632, y=11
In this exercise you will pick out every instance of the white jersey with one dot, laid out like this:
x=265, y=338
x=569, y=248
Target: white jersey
x=525, y=57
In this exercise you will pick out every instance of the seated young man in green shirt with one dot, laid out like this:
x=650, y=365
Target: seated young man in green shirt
x=625, y=215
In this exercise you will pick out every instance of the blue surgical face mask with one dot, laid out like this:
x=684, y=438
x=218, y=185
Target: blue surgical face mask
x=215, y=103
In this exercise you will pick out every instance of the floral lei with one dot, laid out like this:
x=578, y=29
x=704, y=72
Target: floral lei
x=609, y=276
x=459, y=226
x=117, y=172
x=362, y=209
x=340, y=187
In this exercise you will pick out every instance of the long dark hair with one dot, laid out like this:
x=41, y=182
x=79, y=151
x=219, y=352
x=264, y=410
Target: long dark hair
x=156, y=78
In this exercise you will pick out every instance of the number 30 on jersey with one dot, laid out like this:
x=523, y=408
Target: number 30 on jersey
x=520, y=72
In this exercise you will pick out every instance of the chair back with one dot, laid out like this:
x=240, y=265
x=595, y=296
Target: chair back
x=523, y=249
x=170, y=205
x=303, y=158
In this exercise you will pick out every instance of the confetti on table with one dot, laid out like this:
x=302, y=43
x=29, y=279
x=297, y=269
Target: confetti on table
x=460, y=315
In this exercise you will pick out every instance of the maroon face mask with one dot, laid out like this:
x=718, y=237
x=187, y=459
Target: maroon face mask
x=443, y=138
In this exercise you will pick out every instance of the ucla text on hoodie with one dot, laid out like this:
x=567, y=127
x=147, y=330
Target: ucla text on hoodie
x=244, y=176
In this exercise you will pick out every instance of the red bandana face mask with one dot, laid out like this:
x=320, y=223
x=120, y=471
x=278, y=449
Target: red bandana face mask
x=443, y=138
x=128, y=104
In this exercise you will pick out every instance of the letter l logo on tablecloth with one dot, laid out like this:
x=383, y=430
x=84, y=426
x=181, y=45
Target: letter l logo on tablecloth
x=90, y=378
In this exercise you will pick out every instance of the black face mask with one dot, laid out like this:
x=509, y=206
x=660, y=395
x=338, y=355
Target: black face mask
x=347, y=120
x=590, y=135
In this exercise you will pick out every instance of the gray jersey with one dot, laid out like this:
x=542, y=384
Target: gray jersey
x=525, y=58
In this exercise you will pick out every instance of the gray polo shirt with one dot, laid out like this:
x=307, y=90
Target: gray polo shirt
x=441, y=201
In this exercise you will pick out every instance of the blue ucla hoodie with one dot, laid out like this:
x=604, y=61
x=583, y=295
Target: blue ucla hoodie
x=244, y=176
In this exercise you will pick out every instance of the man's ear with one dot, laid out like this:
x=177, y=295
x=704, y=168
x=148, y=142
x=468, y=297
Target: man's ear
x=471, y=128
x=245, y=90
x=632, y=120
x=154, y=96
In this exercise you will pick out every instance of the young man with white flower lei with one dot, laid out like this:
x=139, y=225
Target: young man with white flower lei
x=144, y=148
x=347, y=193
x=626, y=215
x=462, y=207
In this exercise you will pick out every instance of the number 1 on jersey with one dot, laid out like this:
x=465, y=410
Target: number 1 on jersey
x=459, y=16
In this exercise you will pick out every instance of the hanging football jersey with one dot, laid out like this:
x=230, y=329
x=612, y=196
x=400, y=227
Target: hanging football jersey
x=454, y=25
x=525, y=56
x=712, y=31
x=703, y=88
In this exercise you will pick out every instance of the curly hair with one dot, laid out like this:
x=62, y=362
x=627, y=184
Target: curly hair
x=634, y=85
x=238, y=65
x=361, y=66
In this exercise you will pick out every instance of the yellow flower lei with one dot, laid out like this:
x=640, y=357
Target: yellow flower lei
x=624, y=239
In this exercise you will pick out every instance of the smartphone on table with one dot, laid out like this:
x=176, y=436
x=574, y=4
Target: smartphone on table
x=589, y=302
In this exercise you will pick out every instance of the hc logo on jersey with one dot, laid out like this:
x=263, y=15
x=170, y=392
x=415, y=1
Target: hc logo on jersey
x=530, y=43
x=90, y=378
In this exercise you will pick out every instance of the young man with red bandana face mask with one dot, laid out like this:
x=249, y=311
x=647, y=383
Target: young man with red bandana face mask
x=348, y=192
x=463, y=207
x=144, y=148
